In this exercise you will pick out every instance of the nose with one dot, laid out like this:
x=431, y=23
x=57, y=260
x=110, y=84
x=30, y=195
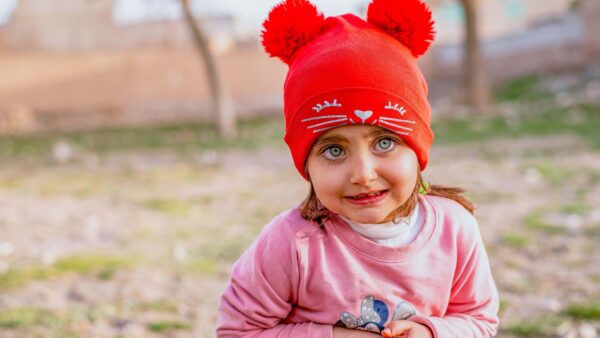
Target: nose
x=364, y=169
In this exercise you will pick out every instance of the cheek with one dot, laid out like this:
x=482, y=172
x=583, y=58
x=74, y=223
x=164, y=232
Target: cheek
x=403, y=172
x=326, y=179
x=326, y=182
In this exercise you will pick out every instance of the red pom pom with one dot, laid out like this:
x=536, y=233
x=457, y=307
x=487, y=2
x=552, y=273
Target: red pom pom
x=409, y=21
x=290, y=26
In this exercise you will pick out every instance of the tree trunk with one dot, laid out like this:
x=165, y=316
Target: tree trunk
x=221, y=103
x=477, y=89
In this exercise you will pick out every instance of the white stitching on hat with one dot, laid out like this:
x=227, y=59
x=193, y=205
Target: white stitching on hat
x=395, y=125
x=397, y=120
x=331, y=127
x=326, y=105
x=323, y=117
x=363, y=114
x=327, y=122
x=395, y=107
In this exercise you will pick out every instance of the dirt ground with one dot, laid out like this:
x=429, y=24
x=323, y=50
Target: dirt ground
x=139, y=244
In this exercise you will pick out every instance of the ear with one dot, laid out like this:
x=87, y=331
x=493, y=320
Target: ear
x=290, y=26
x=409, y=21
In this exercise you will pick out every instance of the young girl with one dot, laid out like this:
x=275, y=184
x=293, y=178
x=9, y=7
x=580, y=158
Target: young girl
x=373, y=250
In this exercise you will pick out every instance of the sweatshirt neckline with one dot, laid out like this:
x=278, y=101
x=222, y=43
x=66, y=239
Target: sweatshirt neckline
x=379, y=251
x=386, y=231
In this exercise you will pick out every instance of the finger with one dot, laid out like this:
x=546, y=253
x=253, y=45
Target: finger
x=387, y=333
x=398, y=327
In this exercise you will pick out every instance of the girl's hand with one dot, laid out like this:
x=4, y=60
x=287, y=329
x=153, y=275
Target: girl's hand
x=406, y=329
x=340, y=332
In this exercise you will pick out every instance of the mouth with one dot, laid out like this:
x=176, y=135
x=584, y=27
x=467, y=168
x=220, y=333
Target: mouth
x=368, y=198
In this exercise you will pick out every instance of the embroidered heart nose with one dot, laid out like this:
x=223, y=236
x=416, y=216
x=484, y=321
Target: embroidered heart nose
x=363, y=114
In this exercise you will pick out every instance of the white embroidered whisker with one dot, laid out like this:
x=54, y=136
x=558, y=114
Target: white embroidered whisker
x=395, y=125
x=323, y=117
x=331, y=127
x=401, y=133
x=327, y=122
x=397, y=120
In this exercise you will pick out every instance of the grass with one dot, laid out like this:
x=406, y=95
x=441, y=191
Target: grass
x=576, y=208
x=186, y=137
x=547, y=122
x=166, y=306
x=168, y=206
x=103, y=267
x=527, y=88
x=25, y=317
x=19, y=277
x=535, y=221
x=269, y=131
x=97, y=265
x=516, y=239
x=202, y=266
x=553, y=174
x=535, y=327
x=584, y=311
x=164, y=326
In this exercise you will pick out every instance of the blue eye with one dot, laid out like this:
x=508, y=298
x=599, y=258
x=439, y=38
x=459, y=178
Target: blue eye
x=332, y=153
x=385, y=144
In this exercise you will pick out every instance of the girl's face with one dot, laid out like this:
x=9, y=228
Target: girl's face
x=362, y=172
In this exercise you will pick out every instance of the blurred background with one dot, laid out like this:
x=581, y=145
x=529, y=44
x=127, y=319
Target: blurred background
x=141, y=153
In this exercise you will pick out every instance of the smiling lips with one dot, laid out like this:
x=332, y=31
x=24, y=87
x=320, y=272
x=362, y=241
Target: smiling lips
x=368, y=198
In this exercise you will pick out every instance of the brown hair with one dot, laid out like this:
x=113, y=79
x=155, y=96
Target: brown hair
x=314, y=210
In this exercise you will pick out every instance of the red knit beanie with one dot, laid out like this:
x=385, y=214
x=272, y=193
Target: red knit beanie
x=347, y=71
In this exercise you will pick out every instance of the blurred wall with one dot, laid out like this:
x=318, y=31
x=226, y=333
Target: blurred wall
x=591, y=14
x=498, y=18
x=66, y=65
x=83, y=25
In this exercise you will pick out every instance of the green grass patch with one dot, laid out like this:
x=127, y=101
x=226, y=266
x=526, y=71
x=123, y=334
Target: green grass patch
x=26, y=317
x=584, y=311
x=553, y=174
x=537, y=327
x=552, y=121
x=253, y=133
x=14, y=278
x=576, y=208
x=502, y=306
x=9, y=183
x=164, y=326
x=99, y=265
x=167, y=206
x=535, y=221
x=525, y=88
x=103, y=267
x=490, y=196
x=201, y=266
x=517, y=240
x=157, y=306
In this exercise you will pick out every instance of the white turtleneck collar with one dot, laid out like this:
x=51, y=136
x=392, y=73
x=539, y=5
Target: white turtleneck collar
x=390, y=234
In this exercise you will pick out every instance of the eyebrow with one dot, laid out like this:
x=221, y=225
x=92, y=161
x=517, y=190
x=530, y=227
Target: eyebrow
x=338, y=138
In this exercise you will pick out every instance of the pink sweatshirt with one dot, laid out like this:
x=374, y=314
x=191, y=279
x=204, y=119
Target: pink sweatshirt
x=298, y=279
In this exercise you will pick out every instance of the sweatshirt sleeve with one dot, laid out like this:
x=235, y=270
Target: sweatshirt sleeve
x=474, y=301
x=263, y=288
